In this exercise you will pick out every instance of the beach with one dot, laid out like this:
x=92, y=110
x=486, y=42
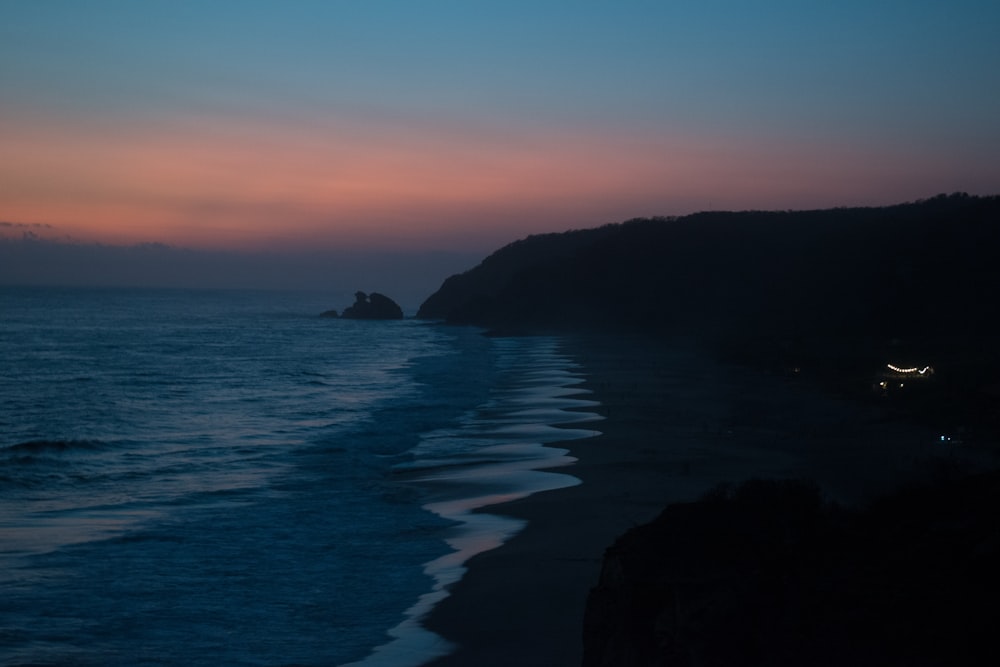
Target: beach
x=677, y=424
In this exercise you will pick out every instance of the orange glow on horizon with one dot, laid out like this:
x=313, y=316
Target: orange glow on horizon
x=238, y=183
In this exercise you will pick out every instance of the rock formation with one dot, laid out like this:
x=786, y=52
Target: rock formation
x=373, y=306
x=769, y=575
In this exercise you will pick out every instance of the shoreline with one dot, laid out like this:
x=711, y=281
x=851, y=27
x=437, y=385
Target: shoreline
x=678, y=424
x=518, y=452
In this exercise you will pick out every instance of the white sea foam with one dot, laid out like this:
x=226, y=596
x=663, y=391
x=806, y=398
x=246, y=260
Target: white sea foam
x=498, y=454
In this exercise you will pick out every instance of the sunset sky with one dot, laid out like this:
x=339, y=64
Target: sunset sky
x=461, y=126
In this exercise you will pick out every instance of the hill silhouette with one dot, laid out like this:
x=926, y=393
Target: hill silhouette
x=834, y=292
x=916, y=267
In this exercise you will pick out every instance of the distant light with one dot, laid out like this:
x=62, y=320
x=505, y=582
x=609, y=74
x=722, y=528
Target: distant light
x=915, y=369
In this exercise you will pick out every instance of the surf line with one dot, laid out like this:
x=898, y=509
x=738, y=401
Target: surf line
x=499, y=453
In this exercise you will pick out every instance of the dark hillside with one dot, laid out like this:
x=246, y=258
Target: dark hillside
x=834, y=293
x=906, y=269
x=469, y=297
x=767, y=574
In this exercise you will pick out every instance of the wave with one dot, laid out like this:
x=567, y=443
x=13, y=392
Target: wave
x=497, y=453
x=47, y=447
x=49, y=463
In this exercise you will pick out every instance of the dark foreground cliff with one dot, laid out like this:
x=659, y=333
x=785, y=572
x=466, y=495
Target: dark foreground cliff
x=769, y=575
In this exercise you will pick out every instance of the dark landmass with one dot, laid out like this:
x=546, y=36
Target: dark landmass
x=832, y=295
x=372, y=306
x=903, y=270
x=770, y=575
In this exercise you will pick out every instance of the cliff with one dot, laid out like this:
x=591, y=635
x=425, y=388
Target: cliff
x=494, y=292
x=769, y=575
x=905, y=270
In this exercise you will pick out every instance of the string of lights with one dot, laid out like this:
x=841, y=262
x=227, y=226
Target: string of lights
x=921, y=371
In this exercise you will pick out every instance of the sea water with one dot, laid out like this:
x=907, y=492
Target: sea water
x=199, y=477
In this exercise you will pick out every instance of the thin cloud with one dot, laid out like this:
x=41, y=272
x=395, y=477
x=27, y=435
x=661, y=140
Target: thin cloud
x=25, y=225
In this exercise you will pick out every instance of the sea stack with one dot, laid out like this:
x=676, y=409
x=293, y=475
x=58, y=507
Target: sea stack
x=373, y=306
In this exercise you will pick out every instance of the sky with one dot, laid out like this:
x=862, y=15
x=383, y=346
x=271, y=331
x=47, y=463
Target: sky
x=459, y=126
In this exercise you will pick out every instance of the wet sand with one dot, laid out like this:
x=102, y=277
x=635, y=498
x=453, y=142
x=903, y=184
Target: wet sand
x=677, y=425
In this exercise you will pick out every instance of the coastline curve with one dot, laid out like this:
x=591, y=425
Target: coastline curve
x=500, y=452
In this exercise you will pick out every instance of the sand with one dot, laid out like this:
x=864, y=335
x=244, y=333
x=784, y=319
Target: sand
x=677, y=425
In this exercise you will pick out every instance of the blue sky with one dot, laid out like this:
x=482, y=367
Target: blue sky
x=462, y=125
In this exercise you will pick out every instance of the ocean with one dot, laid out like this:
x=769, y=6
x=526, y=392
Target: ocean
x=195, y=477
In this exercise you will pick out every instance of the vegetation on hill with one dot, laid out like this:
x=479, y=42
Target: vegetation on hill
x=912, y=267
